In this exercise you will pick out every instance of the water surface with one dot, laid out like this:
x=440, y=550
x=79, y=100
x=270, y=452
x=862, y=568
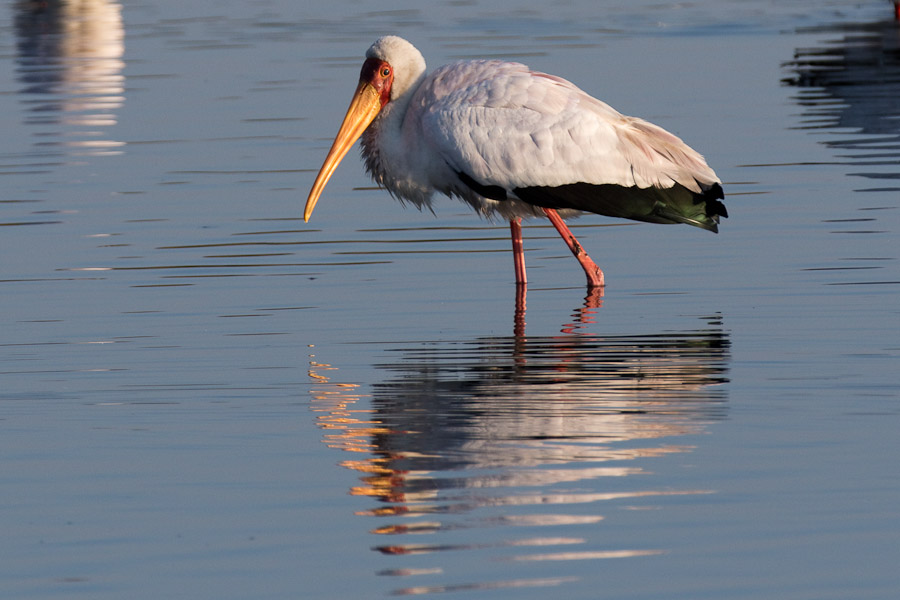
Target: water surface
x=200, y=395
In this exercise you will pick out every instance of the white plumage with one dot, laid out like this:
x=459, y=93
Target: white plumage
x=516, y=143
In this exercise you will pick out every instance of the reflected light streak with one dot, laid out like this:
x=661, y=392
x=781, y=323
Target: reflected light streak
x=485, y=585
x=70, y=63
x=511, y=426
x=589, y=555
x=334, y=402
x=430, y=548
x=410, y=572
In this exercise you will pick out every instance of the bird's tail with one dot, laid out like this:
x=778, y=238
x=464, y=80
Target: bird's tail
x=676, y=204
x=698, y=209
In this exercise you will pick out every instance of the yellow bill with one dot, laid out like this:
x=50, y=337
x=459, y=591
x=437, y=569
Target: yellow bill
x=363, y=109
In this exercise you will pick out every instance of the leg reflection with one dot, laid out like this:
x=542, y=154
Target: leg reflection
x=582, y=316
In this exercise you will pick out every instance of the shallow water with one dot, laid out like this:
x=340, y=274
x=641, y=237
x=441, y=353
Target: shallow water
x=202, y=396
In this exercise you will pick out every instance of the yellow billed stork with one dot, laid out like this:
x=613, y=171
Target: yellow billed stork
x=516, y=143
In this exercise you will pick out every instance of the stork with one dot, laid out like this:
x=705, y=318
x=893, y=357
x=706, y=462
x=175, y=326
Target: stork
x=515, y=143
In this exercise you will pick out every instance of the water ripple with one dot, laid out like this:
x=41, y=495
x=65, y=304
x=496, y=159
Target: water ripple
x=483, y=435
x=853, y=84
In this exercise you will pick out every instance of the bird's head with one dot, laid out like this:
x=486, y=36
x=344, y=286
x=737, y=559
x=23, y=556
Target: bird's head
x=391, y=68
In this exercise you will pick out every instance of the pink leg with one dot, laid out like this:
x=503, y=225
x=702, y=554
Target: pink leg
x=593, y=272
x=515, y=229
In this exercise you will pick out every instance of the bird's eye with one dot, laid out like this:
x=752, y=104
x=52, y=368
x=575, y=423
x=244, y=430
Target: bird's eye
x=385, y=71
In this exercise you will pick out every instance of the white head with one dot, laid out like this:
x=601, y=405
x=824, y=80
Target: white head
x=403, y=57
x=393, y=67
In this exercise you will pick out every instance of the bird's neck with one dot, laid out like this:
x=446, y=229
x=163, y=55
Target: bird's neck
x=383, y=141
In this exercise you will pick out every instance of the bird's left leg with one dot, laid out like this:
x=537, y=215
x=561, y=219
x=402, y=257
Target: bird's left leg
x=593, y=272
x=515, y=229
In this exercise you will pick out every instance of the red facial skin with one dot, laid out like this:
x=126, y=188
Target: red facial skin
x=380, y=76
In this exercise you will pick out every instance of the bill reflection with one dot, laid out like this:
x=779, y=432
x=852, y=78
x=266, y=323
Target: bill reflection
x=527, y=438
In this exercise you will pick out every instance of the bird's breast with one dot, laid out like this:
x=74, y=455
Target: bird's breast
x=394, y=159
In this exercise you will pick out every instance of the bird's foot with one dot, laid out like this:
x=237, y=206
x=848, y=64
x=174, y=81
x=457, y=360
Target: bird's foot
x=595, y=279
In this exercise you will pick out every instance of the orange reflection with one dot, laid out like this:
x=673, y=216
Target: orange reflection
x=490, y=433
x=334, y=401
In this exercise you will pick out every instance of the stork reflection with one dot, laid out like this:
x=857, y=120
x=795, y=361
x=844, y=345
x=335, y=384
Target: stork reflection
x=500, y=432
x=853, y=83
x=582, y=316
x=70, y=64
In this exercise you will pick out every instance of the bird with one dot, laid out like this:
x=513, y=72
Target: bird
x=515, y=143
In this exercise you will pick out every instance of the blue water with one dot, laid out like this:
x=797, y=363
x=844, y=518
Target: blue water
x=201, y=396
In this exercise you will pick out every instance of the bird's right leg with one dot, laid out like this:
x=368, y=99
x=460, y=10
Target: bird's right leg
x=593, y=272
x=515, y=229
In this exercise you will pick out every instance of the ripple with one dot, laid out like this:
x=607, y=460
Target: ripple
x=483, y=435
x=852, y=83
x=70, y=65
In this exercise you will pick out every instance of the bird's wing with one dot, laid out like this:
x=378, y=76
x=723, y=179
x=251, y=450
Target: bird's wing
x=506, y=126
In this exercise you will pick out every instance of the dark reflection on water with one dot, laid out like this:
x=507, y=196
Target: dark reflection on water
x=849, y=92
x=527, y=432
x=853, y=82
x=70, y=65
